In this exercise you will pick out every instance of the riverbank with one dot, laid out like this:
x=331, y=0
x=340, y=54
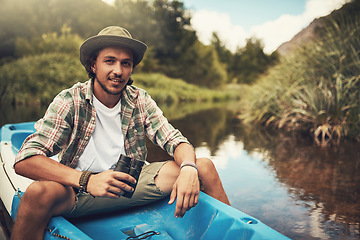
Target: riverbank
x=38, y=79
x=165, y=90
x=314, y=90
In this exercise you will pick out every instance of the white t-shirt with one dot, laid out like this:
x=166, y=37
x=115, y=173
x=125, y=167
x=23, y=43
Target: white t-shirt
x=107, y=142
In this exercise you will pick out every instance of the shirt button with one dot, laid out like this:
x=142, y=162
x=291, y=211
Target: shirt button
x=86, y=138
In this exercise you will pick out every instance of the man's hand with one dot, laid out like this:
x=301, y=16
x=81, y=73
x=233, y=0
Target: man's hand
x=109, y=184
x=186, y=190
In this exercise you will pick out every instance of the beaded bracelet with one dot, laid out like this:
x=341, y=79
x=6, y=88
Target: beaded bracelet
x=187, y=163
x=83, y=181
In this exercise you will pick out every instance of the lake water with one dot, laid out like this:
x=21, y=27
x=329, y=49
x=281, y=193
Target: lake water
x=287, y=182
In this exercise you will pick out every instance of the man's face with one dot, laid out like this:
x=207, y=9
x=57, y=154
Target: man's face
x=113, y=68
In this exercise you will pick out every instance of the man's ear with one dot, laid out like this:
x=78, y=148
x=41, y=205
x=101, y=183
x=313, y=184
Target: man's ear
x=93, y=69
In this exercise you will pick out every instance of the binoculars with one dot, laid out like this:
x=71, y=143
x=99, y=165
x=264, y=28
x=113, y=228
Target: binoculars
x=132, y=167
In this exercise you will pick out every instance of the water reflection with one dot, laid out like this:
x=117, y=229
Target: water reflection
x=326, y=181
x=301, y=190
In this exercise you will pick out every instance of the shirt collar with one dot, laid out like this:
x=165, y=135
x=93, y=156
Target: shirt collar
x=129, y=94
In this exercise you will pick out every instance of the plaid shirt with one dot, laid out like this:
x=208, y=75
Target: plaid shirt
x=69, y=123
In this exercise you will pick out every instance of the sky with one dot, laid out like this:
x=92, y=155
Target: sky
x=272, y=21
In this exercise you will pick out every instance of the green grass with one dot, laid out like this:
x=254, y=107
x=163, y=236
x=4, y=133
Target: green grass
x=172, y=91
x=316, y=90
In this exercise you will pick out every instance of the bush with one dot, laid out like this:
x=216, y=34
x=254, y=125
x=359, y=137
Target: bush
x=39, y=78
x=169, y=90
x=316, y=90
x=66, y=42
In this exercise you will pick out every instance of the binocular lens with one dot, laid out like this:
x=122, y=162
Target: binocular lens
x=123, y=164
x=132, y=167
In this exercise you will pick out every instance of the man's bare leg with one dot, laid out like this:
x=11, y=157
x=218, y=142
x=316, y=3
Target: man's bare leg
x=41, y=201
x=211, y=180
x=207, y=173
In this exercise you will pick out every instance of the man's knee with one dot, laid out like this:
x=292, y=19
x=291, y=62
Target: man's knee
x=207, y=171
x=167, y=176
x=46, y=194
x=205, y=165
x=35, y=193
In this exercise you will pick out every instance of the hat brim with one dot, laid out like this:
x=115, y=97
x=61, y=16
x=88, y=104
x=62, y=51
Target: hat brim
x=95, y=43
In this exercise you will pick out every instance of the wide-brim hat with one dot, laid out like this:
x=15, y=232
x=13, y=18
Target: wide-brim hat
x=112, y=36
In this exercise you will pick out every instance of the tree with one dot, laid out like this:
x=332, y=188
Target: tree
x=174, y=36
x=31, y=18
x=225, y=56
x=250, y=62
x=201, y=66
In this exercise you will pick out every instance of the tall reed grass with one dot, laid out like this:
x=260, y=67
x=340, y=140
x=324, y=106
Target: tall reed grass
x=316, y=89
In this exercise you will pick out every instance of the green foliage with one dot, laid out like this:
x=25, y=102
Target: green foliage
x=315, y=90
x=250, y=62
x=66, y=42
x=47, y=66
x=31, y=18
x=224, y=54
x=172, y=26
x=200, y=65
x=168, y=90
x=38, y=79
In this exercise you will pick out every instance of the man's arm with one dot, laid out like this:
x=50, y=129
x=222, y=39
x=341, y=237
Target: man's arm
x=107, y=184
x=187, y=186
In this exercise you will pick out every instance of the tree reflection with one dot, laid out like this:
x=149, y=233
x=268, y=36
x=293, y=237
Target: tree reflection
x=326, y=181
x=328, y=177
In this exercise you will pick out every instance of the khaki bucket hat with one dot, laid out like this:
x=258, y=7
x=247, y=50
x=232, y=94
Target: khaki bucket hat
x=111, y=36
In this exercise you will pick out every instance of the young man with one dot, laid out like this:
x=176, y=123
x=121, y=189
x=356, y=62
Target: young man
x=89, y=126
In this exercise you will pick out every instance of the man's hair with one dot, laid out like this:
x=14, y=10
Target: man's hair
x=92, y=60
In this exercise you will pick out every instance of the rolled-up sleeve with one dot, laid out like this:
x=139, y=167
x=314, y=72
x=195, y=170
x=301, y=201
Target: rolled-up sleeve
x=51, y=135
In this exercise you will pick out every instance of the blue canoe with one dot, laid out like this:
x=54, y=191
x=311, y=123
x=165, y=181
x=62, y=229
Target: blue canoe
x=210, y=219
